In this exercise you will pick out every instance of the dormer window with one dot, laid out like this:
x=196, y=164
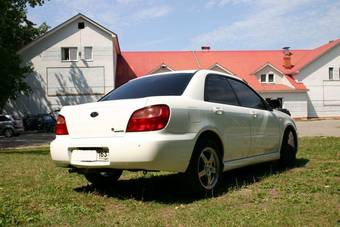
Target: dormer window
x=270, y=78
x=267, y=78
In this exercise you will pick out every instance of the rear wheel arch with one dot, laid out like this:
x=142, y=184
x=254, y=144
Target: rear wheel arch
x=215, y=137
x=205, y=168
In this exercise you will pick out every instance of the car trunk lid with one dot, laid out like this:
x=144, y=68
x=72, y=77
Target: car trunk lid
x=100, y=119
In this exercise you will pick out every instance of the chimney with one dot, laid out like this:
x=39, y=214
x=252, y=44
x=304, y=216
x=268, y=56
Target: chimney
x=205, y=48
x=287, y=61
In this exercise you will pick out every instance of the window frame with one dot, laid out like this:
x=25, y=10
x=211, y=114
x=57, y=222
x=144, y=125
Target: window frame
x=226, y=80
x=90, y=59
x=265, y=104
x=266, y=80
x=69, y=54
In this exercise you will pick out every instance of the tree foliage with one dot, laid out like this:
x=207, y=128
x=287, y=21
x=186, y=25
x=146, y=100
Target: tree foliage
x=16, y=30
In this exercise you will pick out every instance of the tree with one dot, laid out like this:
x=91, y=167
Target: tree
x=16, y=30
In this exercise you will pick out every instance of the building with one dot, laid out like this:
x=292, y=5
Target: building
x=74, y=63
x=80, y=60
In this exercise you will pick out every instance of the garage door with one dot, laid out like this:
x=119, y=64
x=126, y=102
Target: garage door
x=331, y=90
x=75, y=81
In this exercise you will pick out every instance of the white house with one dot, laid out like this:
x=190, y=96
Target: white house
x=80, y=60
x=74, y=63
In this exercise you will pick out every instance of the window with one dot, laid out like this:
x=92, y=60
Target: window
x=88, y=53
x=267, y=78
x=172, y=84
x=270, y=78
x=246, y=96
x=330, y=73
x=217, y=89
x=4, y=118
x=81, y=25
x=69, y=54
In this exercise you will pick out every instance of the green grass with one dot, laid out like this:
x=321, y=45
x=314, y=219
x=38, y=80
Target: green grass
x=34, y=192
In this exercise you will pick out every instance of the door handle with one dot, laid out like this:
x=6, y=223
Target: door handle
x=254, y=113
x=218, y=110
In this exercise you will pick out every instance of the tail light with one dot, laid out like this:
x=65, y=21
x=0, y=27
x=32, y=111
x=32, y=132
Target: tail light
x=60, y=127
x=149, y=118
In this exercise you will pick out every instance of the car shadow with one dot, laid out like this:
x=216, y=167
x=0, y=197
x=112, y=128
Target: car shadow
x=170, y=189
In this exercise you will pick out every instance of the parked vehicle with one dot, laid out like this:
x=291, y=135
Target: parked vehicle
x=196, y=122
x=9, y=126
x=40, y=122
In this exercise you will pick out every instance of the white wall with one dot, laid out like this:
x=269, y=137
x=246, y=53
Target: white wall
x=46, y=54
x=323, y=95
x=295, y=102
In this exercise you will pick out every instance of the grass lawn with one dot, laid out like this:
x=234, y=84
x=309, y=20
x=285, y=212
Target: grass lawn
x=34, y=192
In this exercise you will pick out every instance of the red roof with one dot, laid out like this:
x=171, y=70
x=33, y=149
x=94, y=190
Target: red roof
x=313, y=55
x=241, y=63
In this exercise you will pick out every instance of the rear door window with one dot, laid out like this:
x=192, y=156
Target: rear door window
x=4, y=118
x=246, y=96
x=172, y=84
x=217, y=89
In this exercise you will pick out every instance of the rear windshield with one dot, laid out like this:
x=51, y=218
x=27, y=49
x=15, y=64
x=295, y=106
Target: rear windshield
x=172, y=84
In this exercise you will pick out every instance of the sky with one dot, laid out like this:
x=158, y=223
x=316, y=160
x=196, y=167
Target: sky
x=155, y=25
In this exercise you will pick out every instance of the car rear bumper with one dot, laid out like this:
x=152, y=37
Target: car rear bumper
x=145, y=151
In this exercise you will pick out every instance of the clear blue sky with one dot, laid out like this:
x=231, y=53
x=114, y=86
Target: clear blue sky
x=189, y=24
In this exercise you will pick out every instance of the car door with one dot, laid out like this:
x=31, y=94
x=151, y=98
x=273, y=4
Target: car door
x=3, y=123
x=229, y=117
x=265, y=134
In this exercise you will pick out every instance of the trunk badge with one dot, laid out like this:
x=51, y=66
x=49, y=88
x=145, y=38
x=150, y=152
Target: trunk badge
x=94, y=114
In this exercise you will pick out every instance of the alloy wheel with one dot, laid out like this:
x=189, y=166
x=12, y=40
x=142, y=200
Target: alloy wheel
x=208, y=168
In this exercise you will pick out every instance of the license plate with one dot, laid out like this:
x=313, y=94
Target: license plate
x=102, y=155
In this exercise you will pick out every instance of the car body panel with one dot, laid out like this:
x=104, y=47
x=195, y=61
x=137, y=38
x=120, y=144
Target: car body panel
x=265, y=131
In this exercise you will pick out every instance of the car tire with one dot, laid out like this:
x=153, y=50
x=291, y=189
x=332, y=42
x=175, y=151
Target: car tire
x=205, y=168
x=103, y=178
x=8, y=132
x=288, y=148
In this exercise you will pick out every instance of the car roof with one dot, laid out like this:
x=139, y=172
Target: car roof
x=206, y=71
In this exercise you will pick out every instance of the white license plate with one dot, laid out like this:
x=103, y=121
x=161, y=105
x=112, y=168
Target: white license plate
x=102, y=156
x=84, y=155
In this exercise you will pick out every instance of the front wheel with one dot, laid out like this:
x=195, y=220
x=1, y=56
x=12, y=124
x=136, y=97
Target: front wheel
x=8, y=133
x=288, y=148
x=205, y=168
x=103, y=178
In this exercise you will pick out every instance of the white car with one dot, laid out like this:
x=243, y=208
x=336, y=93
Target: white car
x=196, y=122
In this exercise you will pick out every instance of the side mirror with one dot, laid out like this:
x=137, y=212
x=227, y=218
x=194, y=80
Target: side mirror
x=284, y=111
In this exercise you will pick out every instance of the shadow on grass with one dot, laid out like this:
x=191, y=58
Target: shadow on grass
x=170, y=189
x=28, y=151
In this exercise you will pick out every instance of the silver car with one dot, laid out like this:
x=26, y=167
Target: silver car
x=9, y=126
